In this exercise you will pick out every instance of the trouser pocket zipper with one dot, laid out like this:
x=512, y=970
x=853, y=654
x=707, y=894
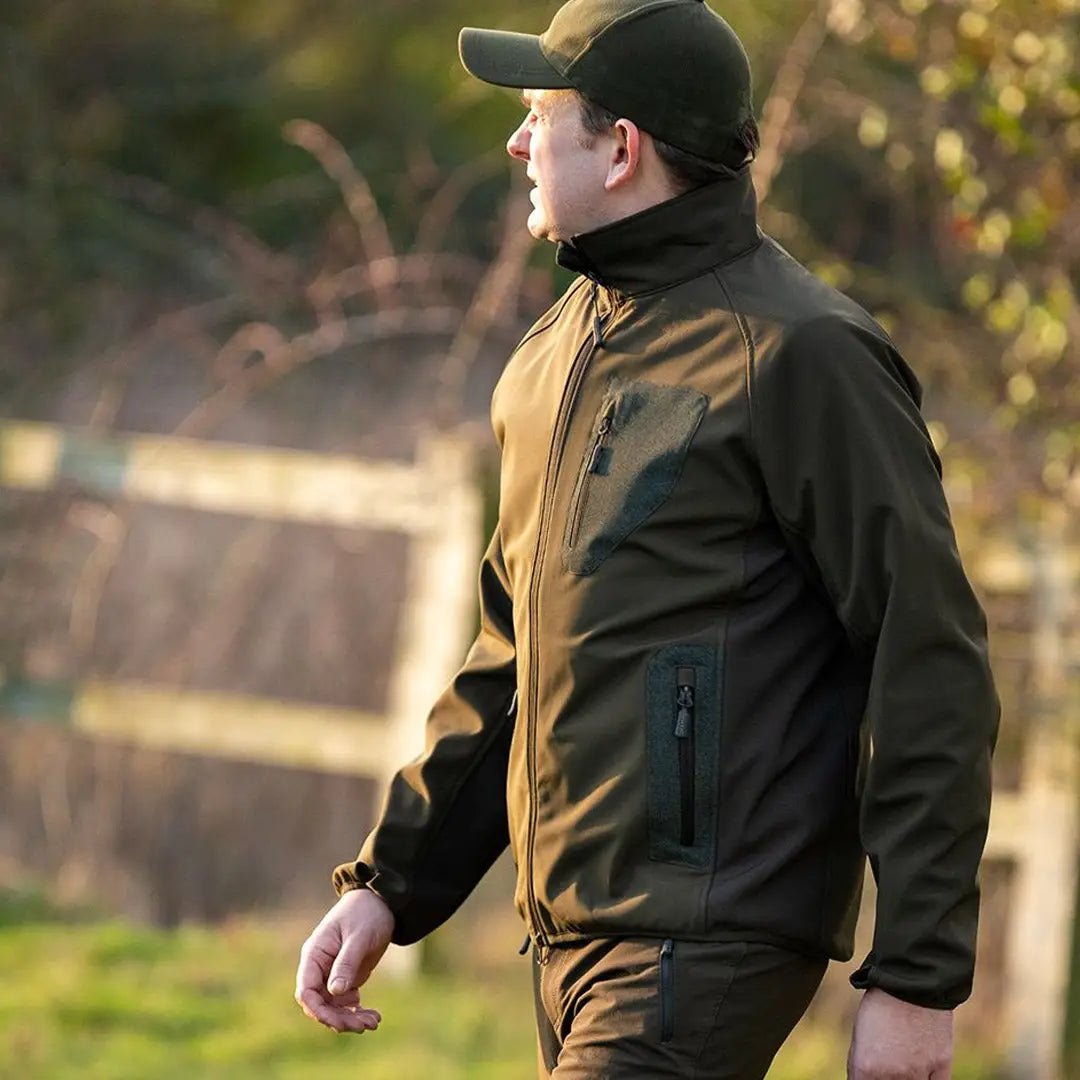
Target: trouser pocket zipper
x=685, y=710
x=667, y=991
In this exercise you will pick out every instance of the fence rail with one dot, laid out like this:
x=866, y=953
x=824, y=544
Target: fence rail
x=436, y=504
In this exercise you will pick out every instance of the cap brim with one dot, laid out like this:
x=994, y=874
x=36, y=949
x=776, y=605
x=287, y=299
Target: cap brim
x=504, y=58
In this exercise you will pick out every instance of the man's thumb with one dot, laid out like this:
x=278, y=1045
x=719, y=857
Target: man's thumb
x=343, y=975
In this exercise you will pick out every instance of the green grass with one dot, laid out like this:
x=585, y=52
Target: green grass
x=103, y=1000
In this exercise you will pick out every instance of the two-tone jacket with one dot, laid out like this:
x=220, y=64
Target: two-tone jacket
x=724, y=566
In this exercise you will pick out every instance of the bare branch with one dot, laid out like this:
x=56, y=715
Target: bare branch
x=419, y=269
x=279, y=357
x=267, y=268
x=447, y=200
x=779, y=110
x=302, y=349
x=370, y=223
x=188, y=324
x=496, y=298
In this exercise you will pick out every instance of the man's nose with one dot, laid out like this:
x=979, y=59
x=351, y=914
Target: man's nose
x=517, y=145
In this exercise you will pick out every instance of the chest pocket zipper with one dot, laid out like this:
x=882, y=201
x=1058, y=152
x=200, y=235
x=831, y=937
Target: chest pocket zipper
x=597, y=465
x=630, y=466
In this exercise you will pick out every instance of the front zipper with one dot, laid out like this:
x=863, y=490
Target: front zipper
x=596, y=459
x=555, y=451
x=685, y=716
x=667, y=991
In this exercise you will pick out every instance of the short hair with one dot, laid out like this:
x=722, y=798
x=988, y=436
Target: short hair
x=687, y=171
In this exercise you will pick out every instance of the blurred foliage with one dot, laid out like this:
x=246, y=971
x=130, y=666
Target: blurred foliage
x=973, y=106
x=111, y=1001
x=928, y=169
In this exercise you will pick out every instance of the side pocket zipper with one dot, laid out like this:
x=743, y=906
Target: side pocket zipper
x=667, y=991
x=685, y=709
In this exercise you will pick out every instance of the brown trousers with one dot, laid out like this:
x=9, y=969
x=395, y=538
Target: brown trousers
x=615, y=1008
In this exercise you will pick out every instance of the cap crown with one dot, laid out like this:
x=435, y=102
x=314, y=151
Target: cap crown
x=674, y=67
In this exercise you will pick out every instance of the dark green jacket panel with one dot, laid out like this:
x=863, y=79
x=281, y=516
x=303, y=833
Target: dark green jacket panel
x=854, y=481
x=444, y=821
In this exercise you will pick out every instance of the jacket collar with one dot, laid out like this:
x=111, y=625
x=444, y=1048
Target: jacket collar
x=671, y=242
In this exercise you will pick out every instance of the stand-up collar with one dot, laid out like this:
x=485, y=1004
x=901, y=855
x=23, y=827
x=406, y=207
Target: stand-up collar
x=671, y=242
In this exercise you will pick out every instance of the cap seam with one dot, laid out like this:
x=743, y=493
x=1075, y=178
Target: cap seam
x=629, y=16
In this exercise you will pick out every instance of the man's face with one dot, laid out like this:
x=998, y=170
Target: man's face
x=567, y=165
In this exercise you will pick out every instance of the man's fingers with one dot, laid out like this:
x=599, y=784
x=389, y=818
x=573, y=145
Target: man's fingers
x=338, y=1017
x=314, y=1005
x=344, y=975
x=349, y=999
x=360, y=1020
x=315, y=961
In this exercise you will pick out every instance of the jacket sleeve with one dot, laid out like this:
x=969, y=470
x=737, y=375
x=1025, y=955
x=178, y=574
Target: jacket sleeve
x=444, y=820
x=855, y=483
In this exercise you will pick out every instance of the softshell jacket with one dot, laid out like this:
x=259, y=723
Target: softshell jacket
x=724, y=566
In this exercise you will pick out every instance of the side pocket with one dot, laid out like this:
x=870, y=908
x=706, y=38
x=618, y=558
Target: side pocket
x=683, y=703
x=667, y=991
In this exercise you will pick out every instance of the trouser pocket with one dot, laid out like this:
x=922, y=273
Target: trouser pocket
x=667, y=991
x=683, y=748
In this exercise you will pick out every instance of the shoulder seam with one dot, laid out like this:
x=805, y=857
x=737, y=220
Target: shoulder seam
x=748, y=346
x=538, y=330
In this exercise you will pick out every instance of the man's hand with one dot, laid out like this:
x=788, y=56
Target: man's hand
x=338, y=958
x=894, y=1040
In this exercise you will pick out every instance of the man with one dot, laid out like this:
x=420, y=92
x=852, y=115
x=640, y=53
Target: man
x=723, y=565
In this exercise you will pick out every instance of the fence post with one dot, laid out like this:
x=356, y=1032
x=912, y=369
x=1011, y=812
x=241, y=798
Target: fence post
x=439, y=615
x=1040, y=932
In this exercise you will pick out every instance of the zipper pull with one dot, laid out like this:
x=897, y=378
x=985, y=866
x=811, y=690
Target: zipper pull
x=513, y=705
x=685, y=714
x=598, y=326
x=684, y=702
x=525, y=945
x=602, y=433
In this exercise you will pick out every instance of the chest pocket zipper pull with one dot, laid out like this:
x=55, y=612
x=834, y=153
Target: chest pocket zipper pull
x=685, y=709
x=602, y=433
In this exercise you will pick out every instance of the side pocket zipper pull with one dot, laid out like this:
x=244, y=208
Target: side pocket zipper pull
x=684, y=716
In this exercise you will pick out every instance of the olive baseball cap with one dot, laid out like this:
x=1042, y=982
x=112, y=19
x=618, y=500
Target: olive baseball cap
x=674, y=67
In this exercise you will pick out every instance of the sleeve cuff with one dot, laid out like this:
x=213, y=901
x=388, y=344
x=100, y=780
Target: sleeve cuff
x=350, y=876
x=871, y=977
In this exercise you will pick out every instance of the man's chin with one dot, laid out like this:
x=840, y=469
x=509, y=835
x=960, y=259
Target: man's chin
x=539, y=228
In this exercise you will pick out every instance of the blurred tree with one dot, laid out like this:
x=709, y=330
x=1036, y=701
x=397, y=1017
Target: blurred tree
x=920, y=154
x=929, y=173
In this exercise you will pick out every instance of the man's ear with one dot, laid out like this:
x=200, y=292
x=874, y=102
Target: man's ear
x=625, y=155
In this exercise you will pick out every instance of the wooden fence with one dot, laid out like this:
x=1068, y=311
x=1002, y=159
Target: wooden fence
x=436, y=506
x=1037, y=828
x=434, y=503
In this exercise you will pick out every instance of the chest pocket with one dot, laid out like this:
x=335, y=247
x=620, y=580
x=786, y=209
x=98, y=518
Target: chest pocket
x=639, y=441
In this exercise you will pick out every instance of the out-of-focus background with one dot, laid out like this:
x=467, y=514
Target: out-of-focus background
x=262, y=263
